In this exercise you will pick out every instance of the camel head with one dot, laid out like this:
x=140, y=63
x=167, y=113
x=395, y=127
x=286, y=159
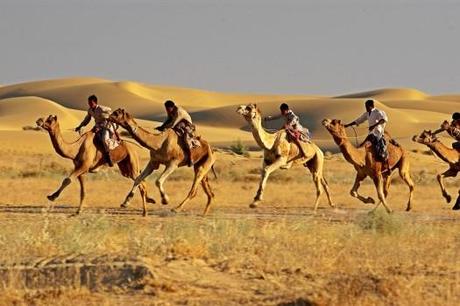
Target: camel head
x=121, y=117
x=250, y=112
x=445, y=125
x=426, y=137
x=49, y=124
x=335, y=127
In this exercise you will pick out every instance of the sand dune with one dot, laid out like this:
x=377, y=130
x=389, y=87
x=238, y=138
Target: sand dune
x=409, y=110
x=144, y=101
x=15, y=113
x=388, y=94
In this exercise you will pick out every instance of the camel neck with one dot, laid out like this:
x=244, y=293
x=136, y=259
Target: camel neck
x=264, y=140
x=145, y=138
x=64, y=149
x=445, y=153
x=350, y=152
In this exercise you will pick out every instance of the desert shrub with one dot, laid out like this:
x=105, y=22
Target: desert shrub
x=239, y=148
x=379, y=221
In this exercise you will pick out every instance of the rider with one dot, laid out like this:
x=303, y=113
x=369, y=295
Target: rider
x=377, y=120
x=453, y=129
x=103, y=128
x=181, y=122
x=292, y=126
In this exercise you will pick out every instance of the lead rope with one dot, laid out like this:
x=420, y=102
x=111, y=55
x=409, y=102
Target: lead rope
x=356, y=135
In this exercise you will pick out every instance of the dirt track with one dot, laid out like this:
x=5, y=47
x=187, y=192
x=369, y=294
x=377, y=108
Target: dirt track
x=263, y=213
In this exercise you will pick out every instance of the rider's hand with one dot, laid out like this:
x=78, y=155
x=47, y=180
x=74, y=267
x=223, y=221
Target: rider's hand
x=445, y=125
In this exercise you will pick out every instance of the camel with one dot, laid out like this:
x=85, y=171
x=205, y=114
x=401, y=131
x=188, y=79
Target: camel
x=279, y=153
x=166, y=149
x=446, y=154
x=87, y=157
x=365, y=164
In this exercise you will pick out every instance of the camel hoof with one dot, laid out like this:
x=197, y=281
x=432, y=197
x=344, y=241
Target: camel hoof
x=253, y=205
x=370, y=200
x=151, y=201
x=144, y=214
x=124, y=205
x=52, y=197
x=76, y=214
x=164, y=201
x=448, y=198
x=174, y=210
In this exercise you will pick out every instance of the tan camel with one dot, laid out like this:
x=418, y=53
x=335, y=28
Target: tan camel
x=363, y=159
x=87, y=157
x=166, y=149
x=279, y=153
x=446, y=154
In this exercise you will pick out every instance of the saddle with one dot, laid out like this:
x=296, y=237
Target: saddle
x=112, y=142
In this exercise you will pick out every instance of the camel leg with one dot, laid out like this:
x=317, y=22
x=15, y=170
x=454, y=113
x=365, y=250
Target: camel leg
x=457, y=203
x=354, y=190
x=66, y=182
x=404, y=173
x=201, y=171
x=319, y=189
x=152, y=165
x=386, y=185
x=449, y=173
x=378, y=182
x=81, y=180
x=328, y=193
x=267, y=170
x=170, y=168
x=143, y=192
x=209, y=193
x=316, y=168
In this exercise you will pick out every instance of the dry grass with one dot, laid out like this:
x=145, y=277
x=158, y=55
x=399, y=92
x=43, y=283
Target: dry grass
x=237, y=255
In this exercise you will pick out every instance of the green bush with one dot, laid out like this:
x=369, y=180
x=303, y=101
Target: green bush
x=239, y=148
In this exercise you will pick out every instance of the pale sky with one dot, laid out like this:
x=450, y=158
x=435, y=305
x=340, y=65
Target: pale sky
x=311, y=47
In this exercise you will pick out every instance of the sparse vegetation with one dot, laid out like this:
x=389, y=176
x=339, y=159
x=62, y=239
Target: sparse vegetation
x=239, y=148
x=278, y=253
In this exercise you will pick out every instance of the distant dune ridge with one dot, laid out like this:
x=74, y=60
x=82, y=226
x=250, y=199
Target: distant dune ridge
x=409, y=110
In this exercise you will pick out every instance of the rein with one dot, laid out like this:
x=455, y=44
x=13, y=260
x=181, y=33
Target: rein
x=356, y=136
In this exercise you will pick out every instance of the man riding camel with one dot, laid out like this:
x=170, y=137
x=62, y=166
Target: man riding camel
x=181, y=122
x=296, y=132
x=377, y=120
x=453, y=129
x=103, y=128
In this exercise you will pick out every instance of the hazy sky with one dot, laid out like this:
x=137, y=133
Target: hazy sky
x=323, y=47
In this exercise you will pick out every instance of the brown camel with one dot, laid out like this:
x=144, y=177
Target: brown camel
x=87, y=157
x=446, y=154
x=166, y=149
x=363, y=159
x=279, y=153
